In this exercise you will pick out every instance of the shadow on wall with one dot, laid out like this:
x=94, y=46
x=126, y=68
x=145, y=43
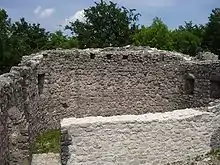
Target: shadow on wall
x=215, y=139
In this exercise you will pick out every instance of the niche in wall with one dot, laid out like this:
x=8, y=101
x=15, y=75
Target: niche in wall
x=125, y=57
x=92, y=56
x=108, y=56
x=41, y=78
x=190, y=84
x=215, y=86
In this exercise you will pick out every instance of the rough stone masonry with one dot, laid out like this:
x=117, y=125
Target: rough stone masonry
x=52, y=85
x=147, y=139
x=115, y=81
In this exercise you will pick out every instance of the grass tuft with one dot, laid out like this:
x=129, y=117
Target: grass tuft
x=46, y=142
x=215, y=153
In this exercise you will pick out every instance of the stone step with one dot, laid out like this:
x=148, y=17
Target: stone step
x=46, y=159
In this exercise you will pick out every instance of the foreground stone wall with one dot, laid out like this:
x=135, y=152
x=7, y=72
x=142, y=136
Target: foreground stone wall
x=121, y=81
x=158, y=138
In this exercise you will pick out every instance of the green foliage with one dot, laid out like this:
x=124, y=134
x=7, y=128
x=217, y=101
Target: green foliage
x=187, y=38
x=105, y=25
x=157, y=35
x=186, y=42
x=47, y=142
x=28, y=38
x=59, y=40
x=211, y=38
x=197, y=30
x=215, y=153
x=22, y=38
x=5, y=25
x=18, y=39
x=72, y=42
x=1, y=55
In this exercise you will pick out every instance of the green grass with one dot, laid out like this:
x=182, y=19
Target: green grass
x=46, y=142
x=215, y=153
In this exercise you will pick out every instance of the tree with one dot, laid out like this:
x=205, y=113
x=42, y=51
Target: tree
x=5, y=25
x=72, y=42
x=195, y=29
x=18, y=39
x=1, y=51
x=56, y=40
x=211, y=38
x=59, y=40
x=27, y=37
x=186, y=42
x=157, y=35
x=2, y=56
x=105, y=25
x=187, y=38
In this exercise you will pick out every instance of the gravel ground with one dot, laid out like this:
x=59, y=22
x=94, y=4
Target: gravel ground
x=46, y=159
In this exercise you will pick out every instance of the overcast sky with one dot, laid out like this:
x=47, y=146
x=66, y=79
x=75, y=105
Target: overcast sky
x=52, y=13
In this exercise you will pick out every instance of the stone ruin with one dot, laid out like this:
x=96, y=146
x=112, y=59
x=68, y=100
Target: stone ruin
x=157, y=107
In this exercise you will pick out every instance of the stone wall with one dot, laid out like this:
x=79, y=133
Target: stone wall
x=19, y=112
x=51, y=85
x=158, y=138
x=115, y=82
x=4, y=141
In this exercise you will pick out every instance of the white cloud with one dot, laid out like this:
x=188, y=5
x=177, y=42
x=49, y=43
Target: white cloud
x=37, y=10
x=47, y=13
x=80, y=15
x=44, y=13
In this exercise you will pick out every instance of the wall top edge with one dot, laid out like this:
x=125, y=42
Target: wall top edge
x=150, y=117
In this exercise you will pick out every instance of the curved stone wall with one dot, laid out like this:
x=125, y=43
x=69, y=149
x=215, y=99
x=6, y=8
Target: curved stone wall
x=100, y=82
x=49, y=86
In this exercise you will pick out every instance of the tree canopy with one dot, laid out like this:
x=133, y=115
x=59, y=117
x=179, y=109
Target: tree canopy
x=18, y=39
x=211, y=38
x=106, y=24
x=59, y=40
x=156, y=35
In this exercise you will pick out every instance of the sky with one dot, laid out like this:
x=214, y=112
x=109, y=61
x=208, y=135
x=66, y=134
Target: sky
x=52, y=14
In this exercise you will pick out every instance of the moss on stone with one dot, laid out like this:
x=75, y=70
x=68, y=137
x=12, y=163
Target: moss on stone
x=47, y=142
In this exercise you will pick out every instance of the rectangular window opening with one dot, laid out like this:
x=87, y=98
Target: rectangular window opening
x=41, y=78
x=215, y=90
x=125, y=57
x=92, y=56
x=215, y=86
x=189, y=86
x=109, y=56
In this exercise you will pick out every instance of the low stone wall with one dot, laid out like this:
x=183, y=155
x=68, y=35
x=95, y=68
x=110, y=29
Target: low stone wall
x=158, y=138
